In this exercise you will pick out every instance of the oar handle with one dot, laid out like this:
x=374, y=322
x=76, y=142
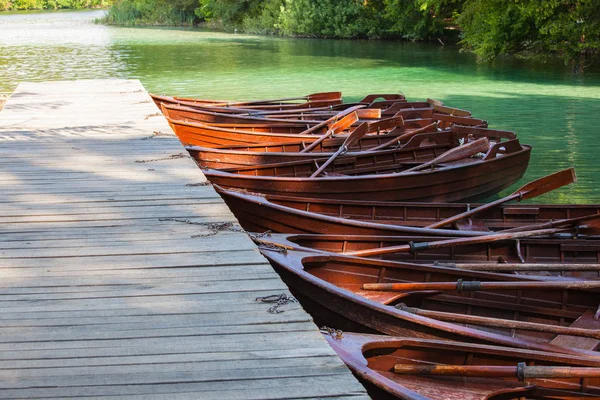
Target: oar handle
x=468, y=286
x=521, y=371
x=416, y=247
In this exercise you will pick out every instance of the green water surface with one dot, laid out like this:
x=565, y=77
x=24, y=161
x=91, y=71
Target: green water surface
x=550, y=108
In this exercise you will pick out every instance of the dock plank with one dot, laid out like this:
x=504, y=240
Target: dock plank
x=124, y=275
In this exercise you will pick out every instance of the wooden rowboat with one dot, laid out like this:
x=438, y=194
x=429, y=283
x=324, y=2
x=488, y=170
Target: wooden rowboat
x=373, y=359
x=503, y=165
x=285, y=214
x=211, y=116
x=330, y=287
x=227, y=156
x=192, y=133
x=539, y=256
x=423, y=147
x=312, y=100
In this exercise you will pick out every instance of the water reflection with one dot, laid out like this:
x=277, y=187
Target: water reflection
x=544, y=103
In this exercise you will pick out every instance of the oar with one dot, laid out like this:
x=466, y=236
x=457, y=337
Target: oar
x=369, y=113
x=386, y=123
x=589, y=230
x=457, y=153
x=510, y=267
x=530, y=190
x=469, y=286
x=522, y=371
x=332, y=120
x=321, y=96
x=415, y=247
x=354, y=137
x=591, y=227
x=339, y=126
x=500, y=323
x=403, y=138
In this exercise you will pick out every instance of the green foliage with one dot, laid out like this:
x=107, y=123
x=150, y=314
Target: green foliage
x=326, y=18
x=159, y=12
x=420, y=19
x=567, y=28
x=52, y=4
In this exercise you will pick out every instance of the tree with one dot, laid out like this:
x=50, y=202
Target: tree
x=420, y=19
x=566, y=28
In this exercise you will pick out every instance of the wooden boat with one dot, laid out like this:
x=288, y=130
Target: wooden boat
x=192, y=133
x=471, y=178
x=312, y=100
x=285, y=214
x=423, y=147
x=330, y=287
x=211, y=116
x=226, y=156
x=558, y=255
x=373, y=359
x=183, y=113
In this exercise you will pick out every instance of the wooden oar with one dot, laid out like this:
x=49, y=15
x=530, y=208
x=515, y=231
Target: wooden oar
x=369, y=113
x=469, y=286
x=385, y=124
x=510, y=267
x=530, y=190
x=354, y=137
x=321, y=96
x=522, y=371
x=591, y=227
x=403, y=138
x=415, y=247
x=457, y=153
x=331, y=120
x=339, y=126
x=500, y=323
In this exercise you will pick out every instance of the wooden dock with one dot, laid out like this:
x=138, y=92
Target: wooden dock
x=123, y=276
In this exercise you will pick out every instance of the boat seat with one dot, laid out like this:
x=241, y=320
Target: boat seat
x=586, y=321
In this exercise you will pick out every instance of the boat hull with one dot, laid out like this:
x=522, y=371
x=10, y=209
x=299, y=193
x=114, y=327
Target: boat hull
x=466, y=182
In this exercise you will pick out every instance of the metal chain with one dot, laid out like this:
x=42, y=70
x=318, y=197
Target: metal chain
x=213, y=227
x=157, y=133
x=205, y=183
x=157, y=114
x=337, y=334
x=279, y=300
x=171, y=157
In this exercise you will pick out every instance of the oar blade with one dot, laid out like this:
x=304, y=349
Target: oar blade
x=547, y=183
x=356, y=135
x=344, y=123
x=458, y=153
x=324, y=96
x=434, y=102
x=369, y=113
x=590, y=227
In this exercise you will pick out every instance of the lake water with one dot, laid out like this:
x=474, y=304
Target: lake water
x=549, y=108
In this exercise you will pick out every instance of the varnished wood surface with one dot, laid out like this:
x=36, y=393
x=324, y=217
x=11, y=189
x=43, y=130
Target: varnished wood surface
x=115, y=283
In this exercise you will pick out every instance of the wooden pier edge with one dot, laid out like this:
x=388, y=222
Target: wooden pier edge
x=123, y=275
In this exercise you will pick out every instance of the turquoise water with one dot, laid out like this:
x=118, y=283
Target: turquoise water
x=554, y=111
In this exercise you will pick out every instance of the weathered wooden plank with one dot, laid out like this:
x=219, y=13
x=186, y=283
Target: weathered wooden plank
x=266, y=388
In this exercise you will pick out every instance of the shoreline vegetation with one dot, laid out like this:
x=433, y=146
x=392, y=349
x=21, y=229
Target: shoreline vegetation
x=569, y=29
x=25, y=5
